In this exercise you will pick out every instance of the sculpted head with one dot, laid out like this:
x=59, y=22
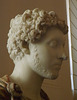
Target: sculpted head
x=38, y=36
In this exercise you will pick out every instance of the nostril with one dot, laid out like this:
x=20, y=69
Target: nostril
x=64, y=57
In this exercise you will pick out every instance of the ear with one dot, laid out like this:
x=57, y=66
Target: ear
x=25, y=46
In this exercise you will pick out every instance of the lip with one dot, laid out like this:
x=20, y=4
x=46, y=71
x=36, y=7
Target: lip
x=58, y=68
x=58, y=64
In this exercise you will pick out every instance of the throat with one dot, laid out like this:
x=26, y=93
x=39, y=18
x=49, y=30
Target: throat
x=30, y=84
x=28, y=80
x=31, y=88
x=31, y=91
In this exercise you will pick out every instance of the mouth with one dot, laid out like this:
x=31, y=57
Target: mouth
x=58, y=66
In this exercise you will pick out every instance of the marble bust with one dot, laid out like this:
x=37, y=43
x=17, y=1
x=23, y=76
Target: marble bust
x=36, y=46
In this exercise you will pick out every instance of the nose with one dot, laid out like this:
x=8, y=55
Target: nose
x=64, y=57
x=62, y=54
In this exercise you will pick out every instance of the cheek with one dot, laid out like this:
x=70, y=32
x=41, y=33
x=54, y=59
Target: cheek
x=47, y=56
x=51, y=54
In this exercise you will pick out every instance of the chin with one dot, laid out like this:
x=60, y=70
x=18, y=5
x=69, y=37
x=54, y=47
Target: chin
x=54, y=77
x=51, y=77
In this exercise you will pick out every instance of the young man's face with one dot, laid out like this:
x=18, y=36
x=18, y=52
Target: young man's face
x=47, y=55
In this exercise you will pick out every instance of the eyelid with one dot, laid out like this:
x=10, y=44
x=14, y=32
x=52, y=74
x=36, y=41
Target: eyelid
x=55, y=43
x=52, y=43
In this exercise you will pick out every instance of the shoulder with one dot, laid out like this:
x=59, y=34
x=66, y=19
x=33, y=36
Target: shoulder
x=4, y=94
x=9, y=90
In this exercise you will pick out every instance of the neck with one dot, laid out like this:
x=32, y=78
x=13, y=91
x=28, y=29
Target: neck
x=29, y=81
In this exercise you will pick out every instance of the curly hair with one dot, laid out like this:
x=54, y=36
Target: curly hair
x=30, y=27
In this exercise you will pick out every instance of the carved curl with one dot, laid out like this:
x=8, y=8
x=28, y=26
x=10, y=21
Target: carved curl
x=30, y=27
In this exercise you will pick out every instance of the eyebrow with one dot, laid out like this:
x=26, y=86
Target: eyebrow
x=55, y=39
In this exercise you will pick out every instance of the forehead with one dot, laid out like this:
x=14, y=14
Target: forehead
x=54, y=33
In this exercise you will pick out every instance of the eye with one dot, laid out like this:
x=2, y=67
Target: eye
x=53, y=44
